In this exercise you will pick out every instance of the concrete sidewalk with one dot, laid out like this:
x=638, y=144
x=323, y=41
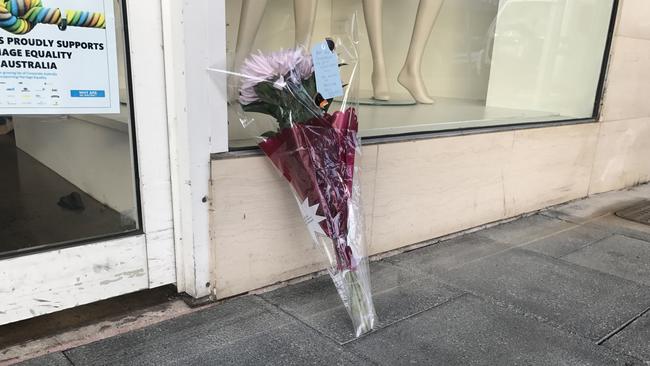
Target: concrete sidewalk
x=569, y=286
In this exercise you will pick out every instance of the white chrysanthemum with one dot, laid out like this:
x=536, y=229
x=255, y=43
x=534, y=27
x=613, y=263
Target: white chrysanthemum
x=273, y=67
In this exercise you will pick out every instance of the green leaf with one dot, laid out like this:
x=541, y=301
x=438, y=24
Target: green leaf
x=266, y=92
x=260, y=107
x=265, y=108
x=294, y=103
x=310, y=86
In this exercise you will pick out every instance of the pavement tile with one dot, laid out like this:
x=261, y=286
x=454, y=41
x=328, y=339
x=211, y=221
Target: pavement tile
x=287, y=345
x=617, y=255
x=597, y=205
x=642, y=190
x=585, y=301
x=525, y=230
x=52, y=359
x=618, y=225
x=470, y=331
x=448, y=254
x=397, y=294
x=566, y=242
x=319, y=294
x=634, y=339
x=245, y=330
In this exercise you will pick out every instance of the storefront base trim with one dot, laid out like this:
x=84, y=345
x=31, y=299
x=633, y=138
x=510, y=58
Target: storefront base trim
x=412, y=192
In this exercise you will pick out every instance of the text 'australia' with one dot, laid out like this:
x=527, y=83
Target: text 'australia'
x=27, y=65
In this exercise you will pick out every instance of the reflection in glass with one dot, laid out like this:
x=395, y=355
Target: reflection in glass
x=485, y=62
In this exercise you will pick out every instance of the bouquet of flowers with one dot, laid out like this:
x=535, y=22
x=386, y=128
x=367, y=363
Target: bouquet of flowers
x=317, y=153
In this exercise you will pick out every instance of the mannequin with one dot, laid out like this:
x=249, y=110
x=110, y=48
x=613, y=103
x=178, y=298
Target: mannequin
x=251, y=18
x=410, y=77
x=372, y=13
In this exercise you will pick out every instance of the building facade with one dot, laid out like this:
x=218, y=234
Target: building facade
x=528, y=112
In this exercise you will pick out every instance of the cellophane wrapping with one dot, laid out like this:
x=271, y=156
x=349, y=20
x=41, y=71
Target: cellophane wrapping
x=313, y=143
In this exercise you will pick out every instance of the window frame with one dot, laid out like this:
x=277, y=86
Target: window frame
x=148, y=253
x=135, y=164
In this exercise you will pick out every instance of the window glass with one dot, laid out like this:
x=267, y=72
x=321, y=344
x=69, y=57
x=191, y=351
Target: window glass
x=441, y=65
x=66, y=178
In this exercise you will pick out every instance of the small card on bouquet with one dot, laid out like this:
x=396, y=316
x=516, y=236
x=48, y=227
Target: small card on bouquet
x=326, y=69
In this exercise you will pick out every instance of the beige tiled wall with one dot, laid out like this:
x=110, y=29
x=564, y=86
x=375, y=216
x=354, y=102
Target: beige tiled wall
x=428, y=188
x=623, y=151
x=549, y=166
x=418, y=190
x=623, y=155
x=412, y=191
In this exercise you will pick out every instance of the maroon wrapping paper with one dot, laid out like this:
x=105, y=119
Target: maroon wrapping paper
x=317, y=158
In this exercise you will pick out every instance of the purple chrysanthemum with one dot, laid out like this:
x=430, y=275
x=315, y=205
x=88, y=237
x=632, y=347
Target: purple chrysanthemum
x=273, y=67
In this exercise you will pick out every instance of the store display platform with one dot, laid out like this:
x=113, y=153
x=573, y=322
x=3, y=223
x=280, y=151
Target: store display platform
x=445, y=114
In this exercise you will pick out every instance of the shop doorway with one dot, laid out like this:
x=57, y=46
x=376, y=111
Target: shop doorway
x=40, y=207
x=70, y=178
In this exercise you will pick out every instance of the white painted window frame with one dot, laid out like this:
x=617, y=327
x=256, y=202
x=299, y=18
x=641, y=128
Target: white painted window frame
x=45, y=282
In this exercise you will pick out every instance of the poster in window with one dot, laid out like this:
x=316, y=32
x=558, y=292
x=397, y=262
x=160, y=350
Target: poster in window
x=58, y=57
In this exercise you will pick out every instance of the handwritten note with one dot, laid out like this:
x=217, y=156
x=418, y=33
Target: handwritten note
x=326, y=68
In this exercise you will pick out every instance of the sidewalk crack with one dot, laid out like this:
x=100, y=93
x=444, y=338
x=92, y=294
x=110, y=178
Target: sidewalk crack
x=385, y=326
x=296, y=318
x=622, y=327
x=67, y=357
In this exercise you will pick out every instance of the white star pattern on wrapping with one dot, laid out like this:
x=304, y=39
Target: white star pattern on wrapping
x=312, y=220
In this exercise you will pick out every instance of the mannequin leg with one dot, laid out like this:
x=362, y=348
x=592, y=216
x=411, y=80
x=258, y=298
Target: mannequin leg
x=372, y=11
x=250, y=19
x=411, y=75
x=305, y=17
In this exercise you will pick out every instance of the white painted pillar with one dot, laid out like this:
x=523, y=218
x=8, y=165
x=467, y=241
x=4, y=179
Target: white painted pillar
x=194, y=40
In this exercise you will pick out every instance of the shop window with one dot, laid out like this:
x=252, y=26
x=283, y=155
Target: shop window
x=444, y=65
x=65, y=177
